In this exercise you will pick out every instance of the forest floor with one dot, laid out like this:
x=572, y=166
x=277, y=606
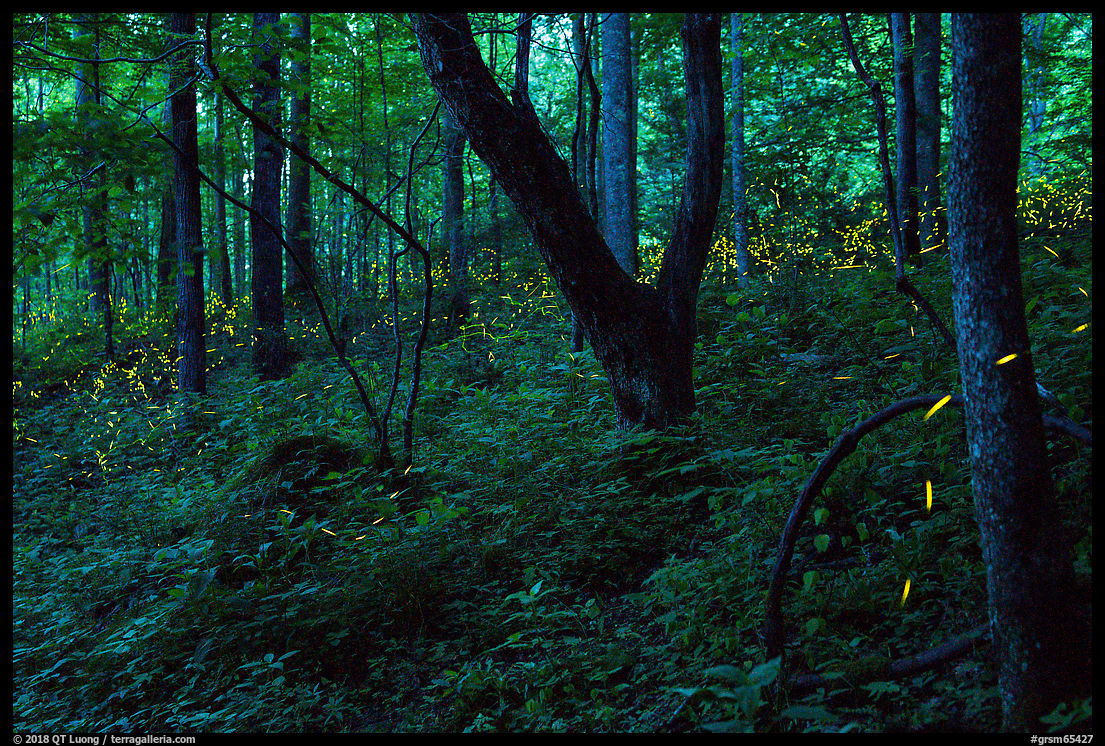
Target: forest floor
x=236, y=562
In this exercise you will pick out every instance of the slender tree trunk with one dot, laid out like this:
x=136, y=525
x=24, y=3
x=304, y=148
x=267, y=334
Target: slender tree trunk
x=94, y=215
x=617, y=135
x=642, y=335
x=1039, y=633
x=452, y=220
x=595, y=108
x=1036, y=106
x=238, y=230
x=905, y=110
x=191, y=350
x=222, y=246
x=581, y=151
x=270, y=355
x=926, y=77
x=740, y=199
x=299, y=173
x=392, y=282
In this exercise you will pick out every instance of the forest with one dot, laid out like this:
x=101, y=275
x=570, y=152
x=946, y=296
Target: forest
x=557, y=372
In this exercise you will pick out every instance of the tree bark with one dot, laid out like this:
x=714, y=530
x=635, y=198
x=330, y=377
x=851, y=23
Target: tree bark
x=619, y=170
x=740, y=199
x=221, y=264
x=270, y=359
x=452, y=220
x=1041, y=639
x=643, y=336
x=905, y=117
x=926, y=84
x=94, y=211
x=191, y=350
x=298, y=224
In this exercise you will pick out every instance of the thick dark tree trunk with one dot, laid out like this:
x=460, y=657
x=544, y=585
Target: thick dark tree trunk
x=643, y=336
x=270, y=354
x=1040, y=636
x=191, y=351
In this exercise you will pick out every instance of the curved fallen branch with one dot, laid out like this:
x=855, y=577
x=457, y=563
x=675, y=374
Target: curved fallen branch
x=845, y=446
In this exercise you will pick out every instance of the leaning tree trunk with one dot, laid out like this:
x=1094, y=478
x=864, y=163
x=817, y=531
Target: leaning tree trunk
x=1041, y=639
x=642, y=335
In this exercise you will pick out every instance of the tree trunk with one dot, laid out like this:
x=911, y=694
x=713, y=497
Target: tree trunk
x=1034, y=79
x=191, y=351
x=299, y=172
x=581, y=152
x=452, y=220
x=617, y=136
x=643, y=336
x=1040, y=636
x=926, y=85
x=221, y=263
x=740, y=199
x=270, y=359
x=94, y=211
x=905, y=116
x=166, y=244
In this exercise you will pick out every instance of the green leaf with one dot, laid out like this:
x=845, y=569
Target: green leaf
x=819, y=515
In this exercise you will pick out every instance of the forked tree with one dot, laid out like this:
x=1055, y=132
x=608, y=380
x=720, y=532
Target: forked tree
x=643, y=335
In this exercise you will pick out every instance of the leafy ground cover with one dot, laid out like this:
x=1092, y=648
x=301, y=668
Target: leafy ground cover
x=235, y=562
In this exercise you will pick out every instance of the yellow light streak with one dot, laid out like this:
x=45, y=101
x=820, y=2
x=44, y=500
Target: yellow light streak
x=936, y=406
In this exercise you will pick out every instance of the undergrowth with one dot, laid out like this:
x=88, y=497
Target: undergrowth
x=236, y=562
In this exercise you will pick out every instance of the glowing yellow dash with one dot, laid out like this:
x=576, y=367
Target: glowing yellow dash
x=283, y=510
x=936, y=406
x=891, y=357
x=358, y=538
x=300, y=397
x=841, y=378
x=1080, y=328
x=329, y=531
x=905, y=591
x=377, y=520
x=1006, y=359
x=404, y=472
x=928, y=495
x=1051, y=252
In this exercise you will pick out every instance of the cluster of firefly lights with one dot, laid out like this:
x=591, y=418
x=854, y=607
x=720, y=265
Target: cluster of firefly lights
x=722, y=258
x=376, y=522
